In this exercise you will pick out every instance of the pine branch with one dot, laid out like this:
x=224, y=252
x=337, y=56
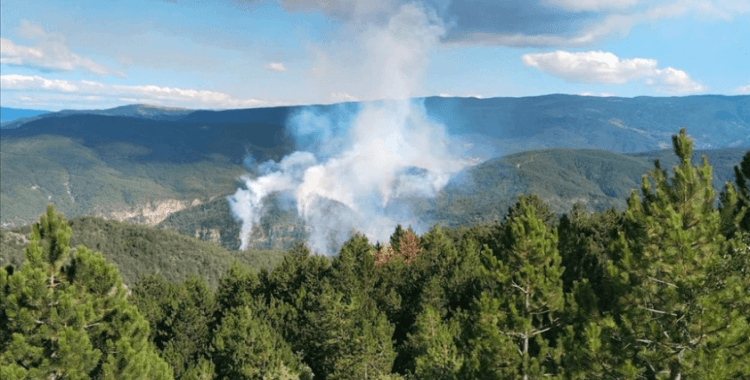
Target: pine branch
x=662, y=282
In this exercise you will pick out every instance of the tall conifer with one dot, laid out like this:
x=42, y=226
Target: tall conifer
x=679, y=301
x=67, y=315
x=512, y=325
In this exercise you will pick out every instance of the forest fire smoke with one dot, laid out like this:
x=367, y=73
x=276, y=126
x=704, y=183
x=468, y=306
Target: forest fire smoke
x=388, y=151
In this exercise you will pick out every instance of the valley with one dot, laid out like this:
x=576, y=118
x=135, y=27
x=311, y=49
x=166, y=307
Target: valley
x=174, y=168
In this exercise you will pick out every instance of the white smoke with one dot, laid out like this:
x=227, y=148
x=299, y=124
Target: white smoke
x=388, y=151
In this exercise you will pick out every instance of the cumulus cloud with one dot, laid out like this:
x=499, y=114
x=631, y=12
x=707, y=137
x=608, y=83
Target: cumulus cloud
x=742, y=90
x=50, y=53
x=138, y=93
x=275, y=66
x=606, y=67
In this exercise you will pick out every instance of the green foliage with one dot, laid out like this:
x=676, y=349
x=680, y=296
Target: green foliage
x=679, y=301
x=584, y=244
x=246, y=347
x=137, y=250
x=180, y=318
x=67, y=316
x=660, y=291
x=735, y=201
x=438, y=356
x=84, y=181
x=345, y=337
x=527, y=304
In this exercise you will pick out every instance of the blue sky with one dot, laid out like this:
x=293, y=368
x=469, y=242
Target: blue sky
x=239, y=54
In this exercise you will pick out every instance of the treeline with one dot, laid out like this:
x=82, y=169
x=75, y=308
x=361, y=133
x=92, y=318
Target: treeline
x=659, y=291
x=137, y=250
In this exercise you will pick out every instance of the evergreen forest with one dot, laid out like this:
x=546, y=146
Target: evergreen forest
x=660, y=290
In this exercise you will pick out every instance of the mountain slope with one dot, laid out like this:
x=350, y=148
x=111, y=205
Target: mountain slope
x=137, y=250
x=138, y=111
x=109, y=182
x=142, y=164
x=495, y=126
x=483, y=193
x=596, y=179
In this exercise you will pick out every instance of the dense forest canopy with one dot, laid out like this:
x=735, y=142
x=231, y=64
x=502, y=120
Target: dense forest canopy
x=660, y=290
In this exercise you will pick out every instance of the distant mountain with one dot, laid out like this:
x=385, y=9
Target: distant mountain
x=138, y=111
x=8, y=114
x=143, y=164
x=637, y=124
x=491, y=127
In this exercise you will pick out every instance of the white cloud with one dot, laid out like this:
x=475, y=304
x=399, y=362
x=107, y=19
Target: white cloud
x=31, y=31
x=51, y=53
x=22, y=82
x=138, y=94
x=606, y=67
x=615, y=23
x=603, y=94
x=742, y=90
x=674, y=81
x=275, y=66
x=590, y=5
x=343, y=97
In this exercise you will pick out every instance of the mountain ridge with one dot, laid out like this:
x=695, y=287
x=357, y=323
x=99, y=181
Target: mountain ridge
x=145, y=164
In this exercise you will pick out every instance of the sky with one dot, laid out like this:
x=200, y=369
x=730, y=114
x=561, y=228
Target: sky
x=228, y=54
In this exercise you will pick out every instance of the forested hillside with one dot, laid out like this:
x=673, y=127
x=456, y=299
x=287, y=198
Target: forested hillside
x=137, y=250
x=596, y=179
x=143, y=163
x=660, y=290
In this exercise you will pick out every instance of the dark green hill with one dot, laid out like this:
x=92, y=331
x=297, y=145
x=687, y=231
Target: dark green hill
x=483, y=193
x=109, y=182
x=597, y=179
x=618, y=124
x=495, y=126
x=162, y=141
x=142, y=163
x=137, y=250
x=139, y=111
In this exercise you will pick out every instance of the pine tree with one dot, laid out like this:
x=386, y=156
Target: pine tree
x=512, y=324
x=542, y=210
x=680, y=300
x=345, y=337
x=246, y=347
x=735, y=201
x=438, y=356
x=180, y=318
x=68, y=317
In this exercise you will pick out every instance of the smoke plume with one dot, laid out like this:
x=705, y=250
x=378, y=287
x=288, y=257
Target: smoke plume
x=361, y=162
